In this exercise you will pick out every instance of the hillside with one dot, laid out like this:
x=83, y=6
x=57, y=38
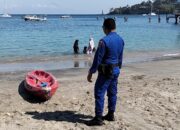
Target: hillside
x=159, y=6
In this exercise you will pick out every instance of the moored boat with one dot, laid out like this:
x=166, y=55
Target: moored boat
x=5, y=14
x=152, y=14
x=34, y=18
x=41, y=84
x=65, y=16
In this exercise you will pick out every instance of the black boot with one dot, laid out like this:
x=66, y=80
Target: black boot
x=109, y=116
x=96, y=121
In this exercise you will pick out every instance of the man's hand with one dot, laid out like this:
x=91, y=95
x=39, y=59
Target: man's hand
x=89, y=77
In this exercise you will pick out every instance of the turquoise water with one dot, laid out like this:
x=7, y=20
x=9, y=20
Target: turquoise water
x=55, y=36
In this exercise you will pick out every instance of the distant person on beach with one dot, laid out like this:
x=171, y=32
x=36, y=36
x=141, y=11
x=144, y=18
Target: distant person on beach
x=91, y=46
x=76, y=47
x=108, y=61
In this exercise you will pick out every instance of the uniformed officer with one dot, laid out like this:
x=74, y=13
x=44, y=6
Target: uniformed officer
x=108, y=61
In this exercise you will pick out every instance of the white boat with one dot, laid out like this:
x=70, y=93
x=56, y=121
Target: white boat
x=152, y=14
x=144, y=14
x=65, y=16
x=5, y=16
x=34, y=18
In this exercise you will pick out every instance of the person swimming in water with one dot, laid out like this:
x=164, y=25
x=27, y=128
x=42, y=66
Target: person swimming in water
x=85, y=50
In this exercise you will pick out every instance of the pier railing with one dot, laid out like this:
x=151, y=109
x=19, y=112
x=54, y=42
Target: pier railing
x=177, y=8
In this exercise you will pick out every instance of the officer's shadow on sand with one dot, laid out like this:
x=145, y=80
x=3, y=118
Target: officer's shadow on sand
x=68, y=116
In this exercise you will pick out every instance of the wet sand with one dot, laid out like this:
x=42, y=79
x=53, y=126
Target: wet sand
x=148, y=99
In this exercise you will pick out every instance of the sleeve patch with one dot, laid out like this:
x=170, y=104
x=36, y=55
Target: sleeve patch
x=101, y=43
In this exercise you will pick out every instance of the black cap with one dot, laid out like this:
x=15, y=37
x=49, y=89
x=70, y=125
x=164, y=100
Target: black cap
x=109, y=24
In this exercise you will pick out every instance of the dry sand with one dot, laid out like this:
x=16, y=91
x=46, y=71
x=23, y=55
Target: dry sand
x=148, y=99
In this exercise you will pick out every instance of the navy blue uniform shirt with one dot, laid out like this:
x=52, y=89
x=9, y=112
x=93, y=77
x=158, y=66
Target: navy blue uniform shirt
x=109, y=51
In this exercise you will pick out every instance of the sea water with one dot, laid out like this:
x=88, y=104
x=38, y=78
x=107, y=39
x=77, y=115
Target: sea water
x=55, y=37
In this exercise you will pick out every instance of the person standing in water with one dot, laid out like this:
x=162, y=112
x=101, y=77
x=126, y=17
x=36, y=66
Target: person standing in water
x=108, y=61
x=76, y=47
x=91, y=46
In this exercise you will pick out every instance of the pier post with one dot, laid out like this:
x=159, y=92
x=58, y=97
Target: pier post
x=149, y=19
x=167, y=18
x=159, y=18
x=176, y=19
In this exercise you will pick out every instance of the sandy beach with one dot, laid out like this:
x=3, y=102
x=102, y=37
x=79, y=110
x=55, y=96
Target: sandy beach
x=148, y=99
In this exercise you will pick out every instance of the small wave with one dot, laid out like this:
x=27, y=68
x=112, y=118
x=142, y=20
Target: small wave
x=29, y=49
x=173, y=54
x=43, y=51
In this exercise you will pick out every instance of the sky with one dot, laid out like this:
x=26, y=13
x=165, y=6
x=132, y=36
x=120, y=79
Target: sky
x=62, y=6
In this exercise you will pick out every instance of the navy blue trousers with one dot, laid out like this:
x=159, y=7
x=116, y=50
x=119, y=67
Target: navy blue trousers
x=101, y=86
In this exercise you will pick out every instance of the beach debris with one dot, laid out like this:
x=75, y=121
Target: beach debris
x=170, y=100
x=56, y=104
x=167, y=79
x=145, y=84
x=130, y=90
x=19, y=124
x=76, y=124
x=7, y=114
x=88, y=92
x=74, y=98
x=138, y=77
x=82, y=105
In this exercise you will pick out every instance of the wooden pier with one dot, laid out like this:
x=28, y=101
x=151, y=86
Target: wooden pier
x=176, y=16
x=177, y=12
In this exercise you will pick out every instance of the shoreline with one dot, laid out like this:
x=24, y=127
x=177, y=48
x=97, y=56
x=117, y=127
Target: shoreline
x=78, y=61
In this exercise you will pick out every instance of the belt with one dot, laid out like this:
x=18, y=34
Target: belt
x=112, y=65
x=115, y=65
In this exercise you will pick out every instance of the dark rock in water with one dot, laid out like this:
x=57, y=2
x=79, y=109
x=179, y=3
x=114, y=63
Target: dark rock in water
x=28, y=96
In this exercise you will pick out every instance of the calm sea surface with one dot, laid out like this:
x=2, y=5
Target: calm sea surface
x=55, y=37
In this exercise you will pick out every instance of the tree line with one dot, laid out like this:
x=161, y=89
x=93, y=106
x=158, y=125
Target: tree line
x=157, y=6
